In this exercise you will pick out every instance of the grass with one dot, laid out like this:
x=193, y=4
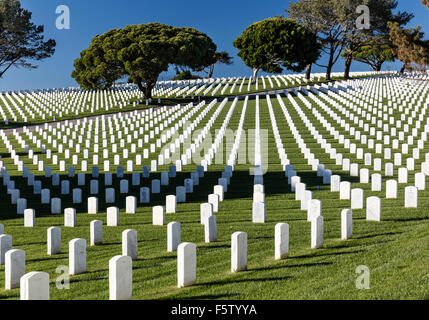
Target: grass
x=395, y=249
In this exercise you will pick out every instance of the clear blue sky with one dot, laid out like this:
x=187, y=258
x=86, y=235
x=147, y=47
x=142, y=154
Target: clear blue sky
x=222, y=20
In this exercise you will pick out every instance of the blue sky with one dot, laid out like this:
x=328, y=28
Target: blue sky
x=222, y=20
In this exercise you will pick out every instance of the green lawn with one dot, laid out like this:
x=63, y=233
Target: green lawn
x=395, y=249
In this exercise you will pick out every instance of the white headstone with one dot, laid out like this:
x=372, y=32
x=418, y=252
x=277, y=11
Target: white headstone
x=238, y=251
x=346, y=224
x=173, y=236
x=14, y=268
x=77, y=256
x=120, y=278
x=112, y=216
x=54, y=240
x=373, y=209
x=186, y=264
x=129, y=243
x=281, y=242
x=96, y=232
x=34, y=286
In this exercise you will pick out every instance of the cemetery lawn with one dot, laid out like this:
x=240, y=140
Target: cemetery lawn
x=395, y=250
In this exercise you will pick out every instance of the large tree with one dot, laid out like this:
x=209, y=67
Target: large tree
x=375, y=52
x=377, y=33
x=331, y=20
x=425, y=3
x=276, y=43
x=409, y=46
x=141, y=53
x=21, y=41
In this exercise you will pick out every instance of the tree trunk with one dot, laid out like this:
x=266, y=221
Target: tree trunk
x=211, y=70
x=403, y=68
x=147, y=90
x=379, y=64
x=330, y=64
x=308, y=71
x=347, y=66
x=255, y=75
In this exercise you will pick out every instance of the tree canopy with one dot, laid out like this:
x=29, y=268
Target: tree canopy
x=375, y=52
x=409, y=46
x=21, y=41
x=277, y=43
x=141, y=53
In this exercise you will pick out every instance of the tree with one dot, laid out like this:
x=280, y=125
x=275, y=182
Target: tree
x=220, y=58
x=425, y=3
x=277, y=43
x=330, y=20
x=21, y=41
x=375, y=53
x=381, y=12
x=185, y=75
x=141, y=53
x=409, y=46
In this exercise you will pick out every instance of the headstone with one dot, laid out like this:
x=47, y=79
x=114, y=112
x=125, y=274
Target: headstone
x=96, y=232
x=158, y=216
x=123, y=187
x=77, y=196
x=357, y=199
x=112, y=217
x=317, y=232
x=92, y=205
x=129, y=243
x=411, y=197
x=34, y=286
x=54, y=240
x=219, y=191
x=170, y=204
x=5, y=246
x=373, y=209
x=345, y=190
x=238, y=251
x=120, y=278
x=110, y=195
x=391, y=189
x=210, y=229
x=376, y=182
x=180, y=194
x=214, y=201
x=314, y=209
x=346, y=224
x=186, y=264
x=21, y=205
x=45, y=196
x=206, y=210
x=14, y=268
x=156, y=186
x=173, y=236
x=420, y=181
x=77, y=256
x=29, y=218
x=130, y=205
x=258, y=212
x=56, y=206
x=70, y=217
x=281, y=242
x=144, y=195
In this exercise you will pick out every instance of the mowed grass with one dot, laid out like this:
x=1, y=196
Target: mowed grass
x=395, y=249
